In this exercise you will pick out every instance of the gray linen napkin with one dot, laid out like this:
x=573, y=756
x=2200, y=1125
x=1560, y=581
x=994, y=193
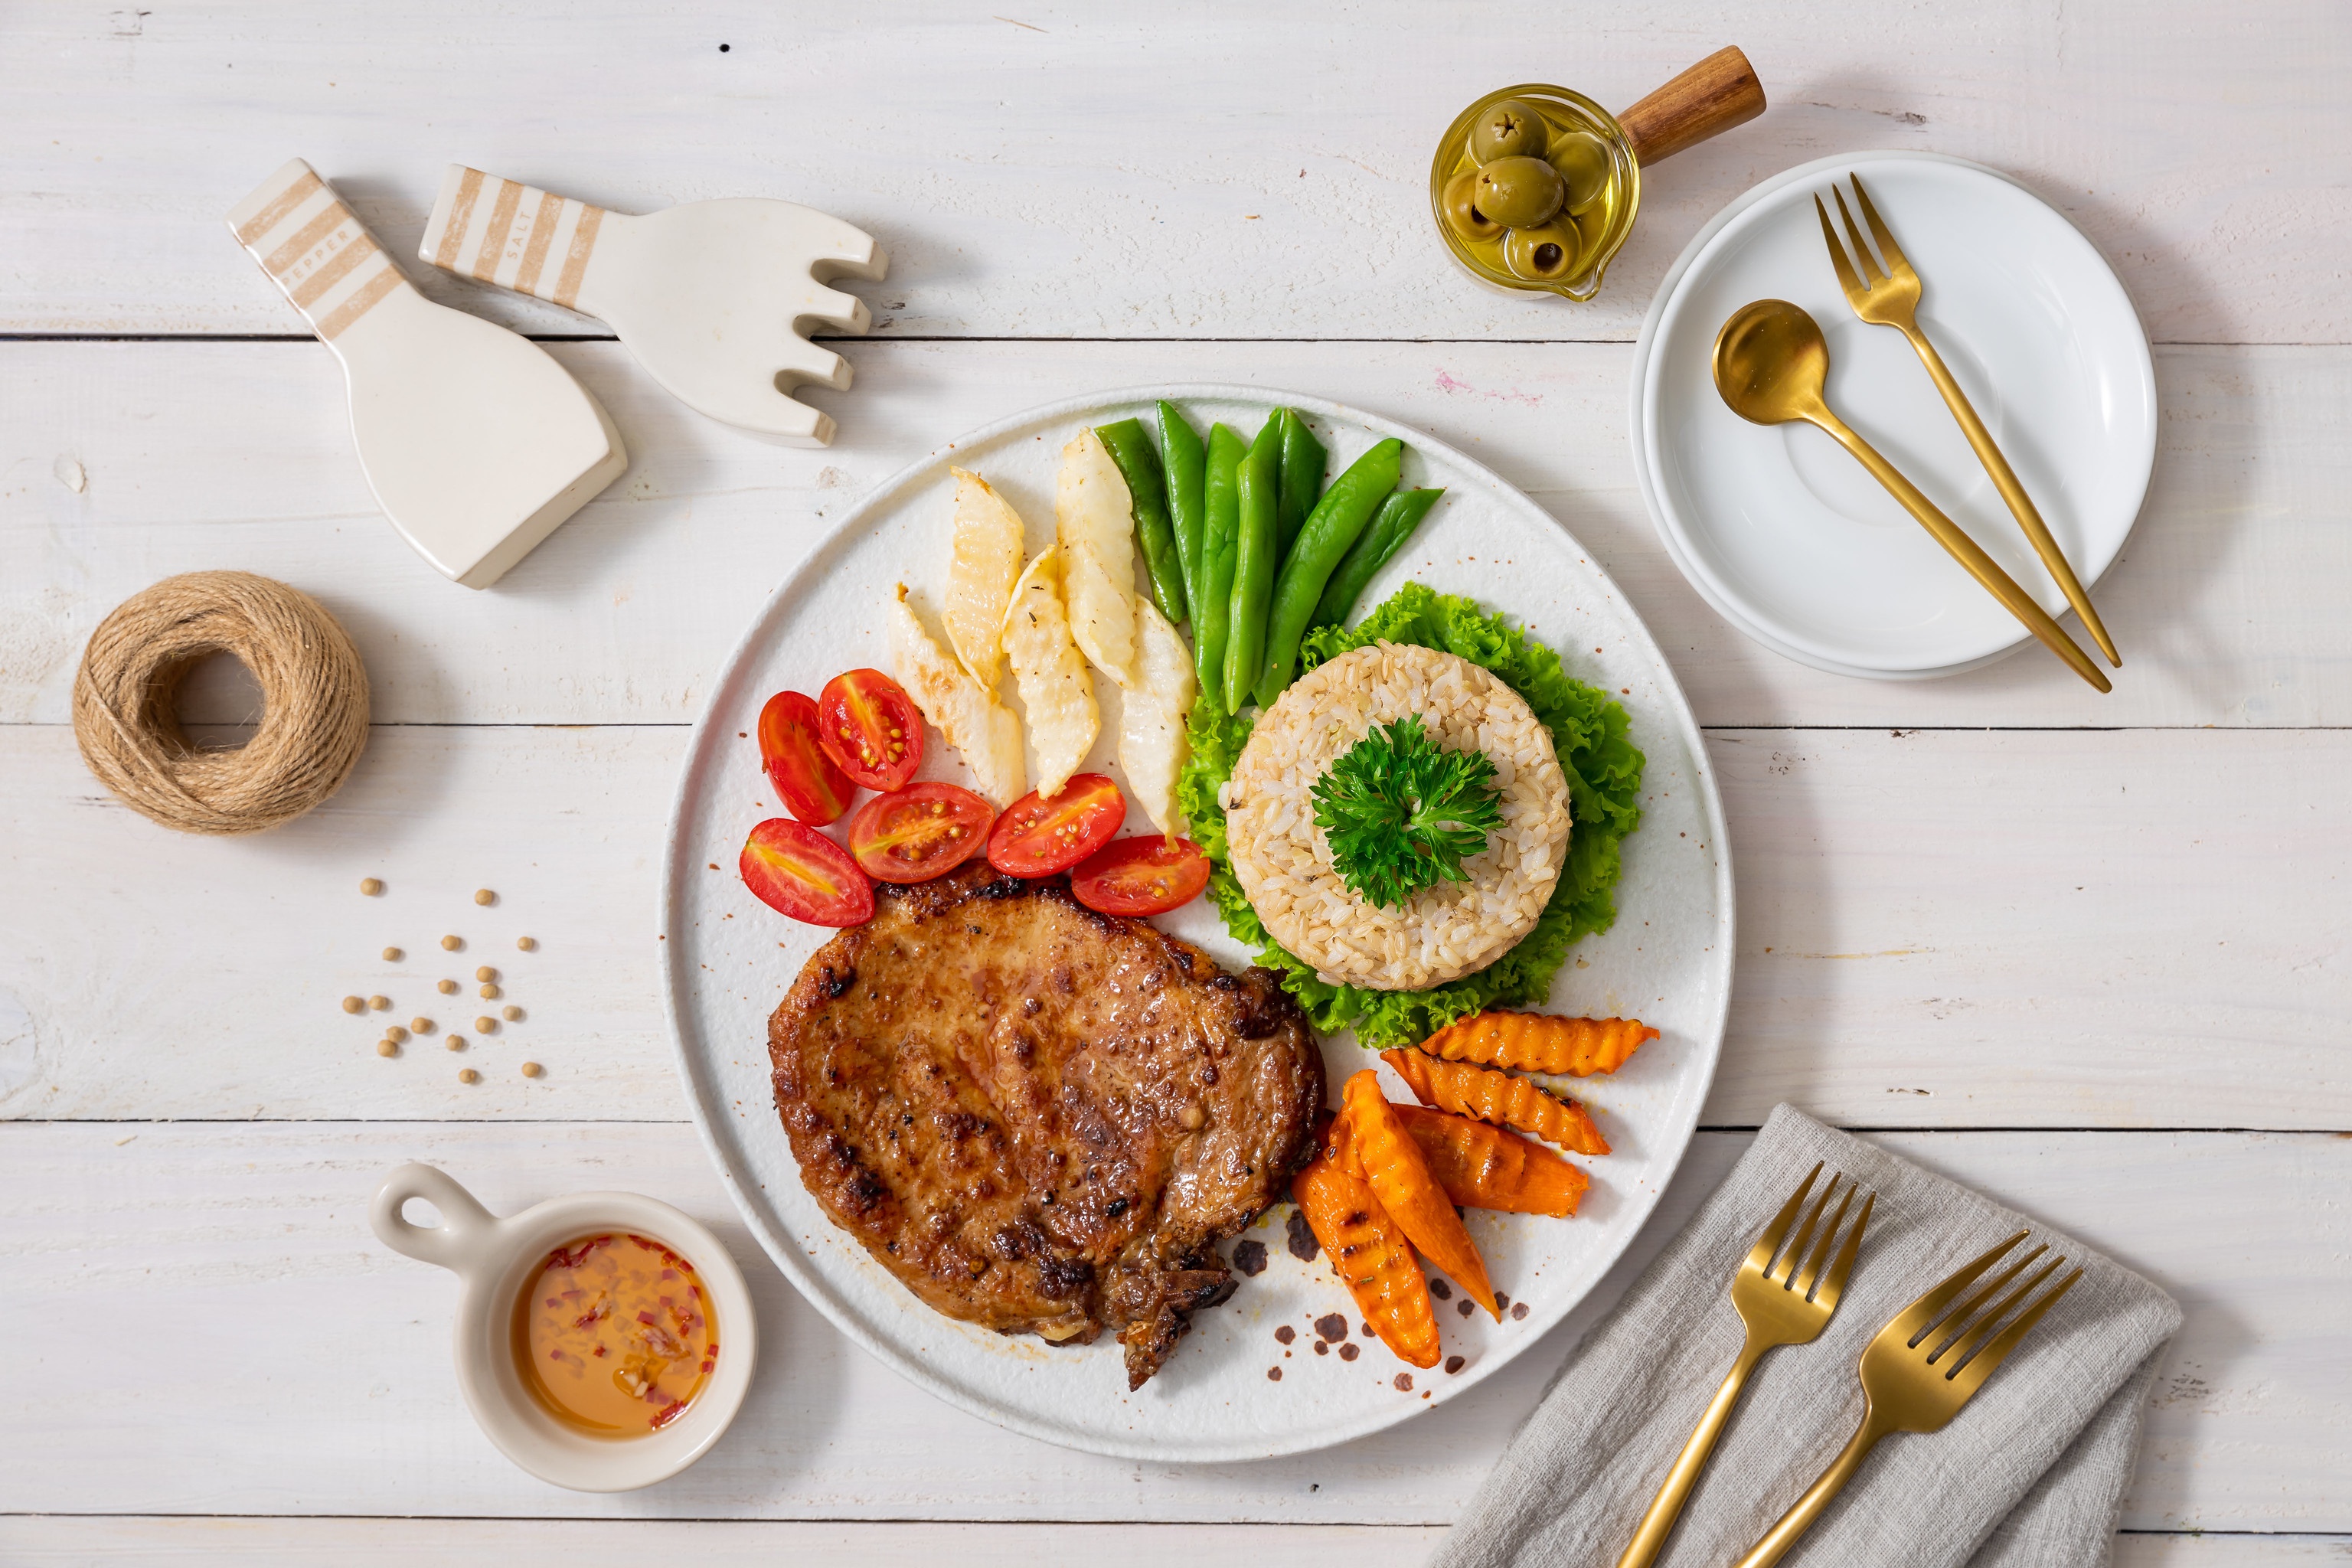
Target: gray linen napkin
x=2029, y=1475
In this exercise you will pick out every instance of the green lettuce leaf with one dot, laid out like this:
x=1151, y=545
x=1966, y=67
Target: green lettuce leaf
x=1605, y=782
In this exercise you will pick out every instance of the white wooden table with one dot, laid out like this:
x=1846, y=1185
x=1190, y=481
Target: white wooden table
x=2090, y=954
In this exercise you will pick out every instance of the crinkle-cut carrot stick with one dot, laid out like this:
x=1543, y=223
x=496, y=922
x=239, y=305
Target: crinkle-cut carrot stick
x=1484, y=1167
x=1499, y=1098
x=1539, y=1042
x=1400, y=1178
x=1374, y=1260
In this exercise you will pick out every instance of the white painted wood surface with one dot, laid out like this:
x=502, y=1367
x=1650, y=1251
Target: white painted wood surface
x=246, y=1247
x=56, y=1543
x=1994, y=902
x=1936, y=928
x=1214, y=171
x=2227, y=602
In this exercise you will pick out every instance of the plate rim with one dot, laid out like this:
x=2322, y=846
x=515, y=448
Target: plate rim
x=702, y=1098
x=1645, y=459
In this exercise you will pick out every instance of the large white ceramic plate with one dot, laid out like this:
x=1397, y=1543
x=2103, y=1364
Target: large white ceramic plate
x=729, y=959
x=1783, y=533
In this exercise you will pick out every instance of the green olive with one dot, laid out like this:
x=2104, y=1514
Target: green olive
x=1519, y=192
x=1511, y=128
x=1545, y=253
x=1583, y=162
x=1462, y=214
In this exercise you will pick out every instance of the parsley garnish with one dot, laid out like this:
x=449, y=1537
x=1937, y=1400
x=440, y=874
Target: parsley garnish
x=1401, y=811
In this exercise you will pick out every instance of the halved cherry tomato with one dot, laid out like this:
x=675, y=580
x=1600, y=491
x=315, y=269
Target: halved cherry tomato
x=795, y=871
x=870, y=728
x=926, y=830
x=806, y=781
x=1036, y=838
x=1141, y=876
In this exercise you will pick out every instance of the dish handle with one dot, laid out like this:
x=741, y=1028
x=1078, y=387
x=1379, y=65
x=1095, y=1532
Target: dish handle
x=1707, y=100
x=459, y=1243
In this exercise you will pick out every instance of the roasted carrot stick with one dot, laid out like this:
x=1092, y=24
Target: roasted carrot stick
x=1400, y=1178
x=1538, y=1042
x=1372, y=1257
x=1499, y=1098
x=1484, y=1167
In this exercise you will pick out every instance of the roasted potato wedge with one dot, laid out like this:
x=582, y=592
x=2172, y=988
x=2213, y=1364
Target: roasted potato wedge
x=1050, y=674
x=967, y=713
x=989, y=545
x=1095, y=527
x=1151, y=742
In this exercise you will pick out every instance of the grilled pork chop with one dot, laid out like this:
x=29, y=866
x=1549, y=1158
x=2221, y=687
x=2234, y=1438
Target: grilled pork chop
x=1037, y=1117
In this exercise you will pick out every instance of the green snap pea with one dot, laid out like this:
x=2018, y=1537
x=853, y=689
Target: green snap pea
x=1391, y=527
x=1147, y=493
x=1303, y=460
x=1186, y=461
x=1324, y=539
x=1220, y=535
x=1259, y=492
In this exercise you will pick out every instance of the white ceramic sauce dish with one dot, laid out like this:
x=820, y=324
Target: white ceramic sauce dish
x=495, y=1257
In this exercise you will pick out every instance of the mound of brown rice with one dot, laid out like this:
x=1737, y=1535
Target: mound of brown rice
x=1284, y=862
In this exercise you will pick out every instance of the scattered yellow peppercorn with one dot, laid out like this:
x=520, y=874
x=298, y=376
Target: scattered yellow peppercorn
x=387, y=1049
x=449, y=988
x=456, y=1042
x=353, y=1005
x=379, y=1003
x=484, y=896
x=421, y=1025
x=512, y=1014
x=490, y=993
x=468, y=1075
x=392, y=955
x=531, y=1069
x=451, y=943
x=527, y=943
x=394, y=1032
x=486, y=972
x=486, y=1025
x=370, y=886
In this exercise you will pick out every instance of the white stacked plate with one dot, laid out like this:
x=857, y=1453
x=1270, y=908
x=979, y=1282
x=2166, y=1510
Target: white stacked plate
x=1783, y=533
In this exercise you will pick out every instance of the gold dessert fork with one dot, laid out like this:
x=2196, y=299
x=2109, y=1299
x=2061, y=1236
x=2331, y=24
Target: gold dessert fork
x=1891, y=299
x=1922, y=1367
x=1781, y=1307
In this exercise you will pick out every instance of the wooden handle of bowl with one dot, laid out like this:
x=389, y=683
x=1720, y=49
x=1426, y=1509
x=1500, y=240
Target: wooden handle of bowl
x=1713, y=96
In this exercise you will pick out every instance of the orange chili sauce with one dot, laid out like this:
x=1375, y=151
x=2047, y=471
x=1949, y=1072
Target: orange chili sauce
x=615, y=1335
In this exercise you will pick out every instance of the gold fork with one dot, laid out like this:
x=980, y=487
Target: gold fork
x=1891, y=299
x=1922, y=1367
x=1781, y=1307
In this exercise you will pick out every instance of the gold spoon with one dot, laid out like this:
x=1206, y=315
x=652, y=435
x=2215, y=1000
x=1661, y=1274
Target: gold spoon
x=1771, y=364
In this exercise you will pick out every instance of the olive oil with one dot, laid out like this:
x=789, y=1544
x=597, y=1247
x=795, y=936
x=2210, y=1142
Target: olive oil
x=1599, y=186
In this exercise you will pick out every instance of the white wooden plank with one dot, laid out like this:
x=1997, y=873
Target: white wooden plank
x=122, y=463
x=1936, y=928
x=1208, y=171
x=239, y=1344
x=53, y=1541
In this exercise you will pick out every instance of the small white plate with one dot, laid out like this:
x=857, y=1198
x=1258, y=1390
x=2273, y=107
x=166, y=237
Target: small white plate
x=1233, y=1390
x=1783, y=533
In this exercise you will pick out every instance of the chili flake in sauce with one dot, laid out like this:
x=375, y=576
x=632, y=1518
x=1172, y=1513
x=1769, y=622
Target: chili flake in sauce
x=614, y=1334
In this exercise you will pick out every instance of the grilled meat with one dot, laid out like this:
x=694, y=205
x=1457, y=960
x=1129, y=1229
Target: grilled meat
x=1037, y=1117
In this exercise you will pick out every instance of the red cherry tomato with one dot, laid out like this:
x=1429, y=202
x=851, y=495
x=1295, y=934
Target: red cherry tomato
x=806, y=781
x=794, y=869
x=1036, y=838
x=871, y=729
x=926, y=830
x=1141, y=876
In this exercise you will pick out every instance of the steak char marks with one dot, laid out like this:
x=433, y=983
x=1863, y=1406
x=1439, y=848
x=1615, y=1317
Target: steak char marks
x=1040, y=1118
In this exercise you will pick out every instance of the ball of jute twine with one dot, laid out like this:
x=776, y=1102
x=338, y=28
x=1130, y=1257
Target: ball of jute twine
x=314, y=691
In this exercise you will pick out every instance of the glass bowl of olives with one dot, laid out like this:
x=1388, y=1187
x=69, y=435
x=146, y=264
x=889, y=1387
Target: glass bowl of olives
x=1535, y=187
